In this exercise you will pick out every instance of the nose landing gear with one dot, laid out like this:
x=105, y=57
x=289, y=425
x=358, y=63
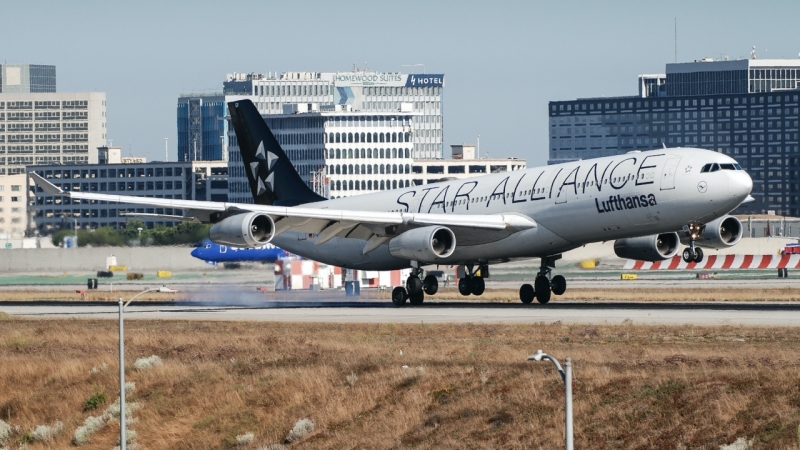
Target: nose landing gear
x=693, y=253
x=543, y=284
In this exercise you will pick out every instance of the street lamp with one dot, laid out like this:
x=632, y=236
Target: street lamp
x=566, y=376
x=122, y=306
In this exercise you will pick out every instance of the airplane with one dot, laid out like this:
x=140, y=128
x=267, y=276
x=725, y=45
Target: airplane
x=648, y=202
x=210, y=252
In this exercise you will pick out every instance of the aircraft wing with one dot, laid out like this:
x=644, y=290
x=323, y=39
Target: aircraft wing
x=376, y=227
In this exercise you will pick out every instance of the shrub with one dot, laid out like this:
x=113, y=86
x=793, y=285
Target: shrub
x=44, y=433
x=97, y=399
x=146, y=363
x=301, y=429
x=90, y=426
x=244, y=439
x=5, y=431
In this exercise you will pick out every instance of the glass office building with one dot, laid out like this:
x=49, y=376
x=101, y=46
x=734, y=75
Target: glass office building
x=27, y=78
x=747, y=109
x=202, y=128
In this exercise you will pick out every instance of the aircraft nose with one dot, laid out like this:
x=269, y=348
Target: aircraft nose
x=196, y=252
x=740, y=184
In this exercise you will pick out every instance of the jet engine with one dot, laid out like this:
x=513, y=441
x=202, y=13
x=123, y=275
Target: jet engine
x=720, y=233
x=424, y=244
x=648, y=248
x=243, y=230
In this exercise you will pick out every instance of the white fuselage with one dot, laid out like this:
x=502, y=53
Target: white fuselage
x=635, y=194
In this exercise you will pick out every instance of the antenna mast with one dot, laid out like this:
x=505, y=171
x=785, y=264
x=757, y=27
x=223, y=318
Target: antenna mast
x=676, y=40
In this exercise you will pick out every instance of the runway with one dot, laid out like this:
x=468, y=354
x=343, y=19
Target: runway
x=694, y=313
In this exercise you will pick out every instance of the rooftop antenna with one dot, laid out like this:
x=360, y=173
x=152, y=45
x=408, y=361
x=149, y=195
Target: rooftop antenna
x=676, y=40
x=753, y=53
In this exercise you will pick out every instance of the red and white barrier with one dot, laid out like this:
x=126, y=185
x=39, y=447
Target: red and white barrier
x=720, y=262
x=297, y=274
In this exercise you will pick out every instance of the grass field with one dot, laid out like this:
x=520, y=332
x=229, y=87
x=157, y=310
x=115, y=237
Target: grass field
x=491, y=295
x=397, y=386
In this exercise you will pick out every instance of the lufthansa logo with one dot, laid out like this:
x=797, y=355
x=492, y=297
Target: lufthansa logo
x=702, y=187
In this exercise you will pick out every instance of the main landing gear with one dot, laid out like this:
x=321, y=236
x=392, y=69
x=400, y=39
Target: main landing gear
x=692, y=253
x=473, y=280
x=415, y=288
x=544, y=284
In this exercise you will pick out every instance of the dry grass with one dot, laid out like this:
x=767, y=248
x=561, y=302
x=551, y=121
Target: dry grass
x=464, y=385
x=655, y=294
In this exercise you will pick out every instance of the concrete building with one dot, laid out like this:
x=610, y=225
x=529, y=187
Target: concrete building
x=362, y=91
x=747, y=109
x=13, y=206
x=27, y=78
x=463, y=164
x=338, y=152
x=199, y=180
x=50, y=128
x=202, y=128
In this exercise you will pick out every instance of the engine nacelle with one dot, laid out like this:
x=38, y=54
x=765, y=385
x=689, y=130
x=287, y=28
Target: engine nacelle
x=720, y=233
x=648, y=248
x=243, y=230
x=424, y=244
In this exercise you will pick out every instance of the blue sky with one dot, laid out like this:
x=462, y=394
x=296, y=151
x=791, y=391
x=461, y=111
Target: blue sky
x=503, y=61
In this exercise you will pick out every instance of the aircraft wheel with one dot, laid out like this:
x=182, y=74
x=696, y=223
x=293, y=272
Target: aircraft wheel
x=542, y=288
x=559, y=284
x=478, y=286
x=416, y=299
x=526, y=294
x=413, y=285
x=399, y=296
x=465, y=286
x=698, y=255
x=688, y=255
x=431, y=285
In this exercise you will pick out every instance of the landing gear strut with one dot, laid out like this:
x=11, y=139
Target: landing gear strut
x=473, y=282
x=692, y=253
x=543, y=284
x=415, y=288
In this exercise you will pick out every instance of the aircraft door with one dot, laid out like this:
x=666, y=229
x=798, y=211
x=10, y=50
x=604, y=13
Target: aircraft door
x=668, y=174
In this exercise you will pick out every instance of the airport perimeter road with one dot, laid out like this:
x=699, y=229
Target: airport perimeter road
x=763, y=314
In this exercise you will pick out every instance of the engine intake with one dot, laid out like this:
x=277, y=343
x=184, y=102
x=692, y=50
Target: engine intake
x=720, y=233
x=243, y=230
x=424, y=244
x=648, y=248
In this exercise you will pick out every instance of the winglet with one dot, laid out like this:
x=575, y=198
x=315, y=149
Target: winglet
x=46, y=186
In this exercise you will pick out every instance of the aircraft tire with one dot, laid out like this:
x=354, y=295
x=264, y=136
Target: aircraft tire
x=688, y=255
x=559, y=284
x=478, y=286
x=542, y=288
x=465, y=286
x=526, y=294
x=413, y=285
x=698, y=255
x=416, y=299
x=431, y=285
x=399, y=296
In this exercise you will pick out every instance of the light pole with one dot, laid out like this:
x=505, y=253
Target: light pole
x=566, y=375
x=122, y=307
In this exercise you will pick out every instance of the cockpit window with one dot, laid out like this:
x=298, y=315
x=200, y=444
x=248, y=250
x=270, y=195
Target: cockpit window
x=713, y=167
x=207, y=246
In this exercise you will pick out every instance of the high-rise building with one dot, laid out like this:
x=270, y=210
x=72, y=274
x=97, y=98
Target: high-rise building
x=747, y=109
x=27, y=78
x=50, y=128
x=202, y=128
x=362, y=91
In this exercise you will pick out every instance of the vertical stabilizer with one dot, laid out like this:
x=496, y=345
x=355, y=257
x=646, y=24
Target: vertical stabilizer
x=273, y=179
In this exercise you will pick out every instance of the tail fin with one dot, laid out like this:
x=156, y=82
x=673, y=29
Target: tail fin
x=273, y=180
